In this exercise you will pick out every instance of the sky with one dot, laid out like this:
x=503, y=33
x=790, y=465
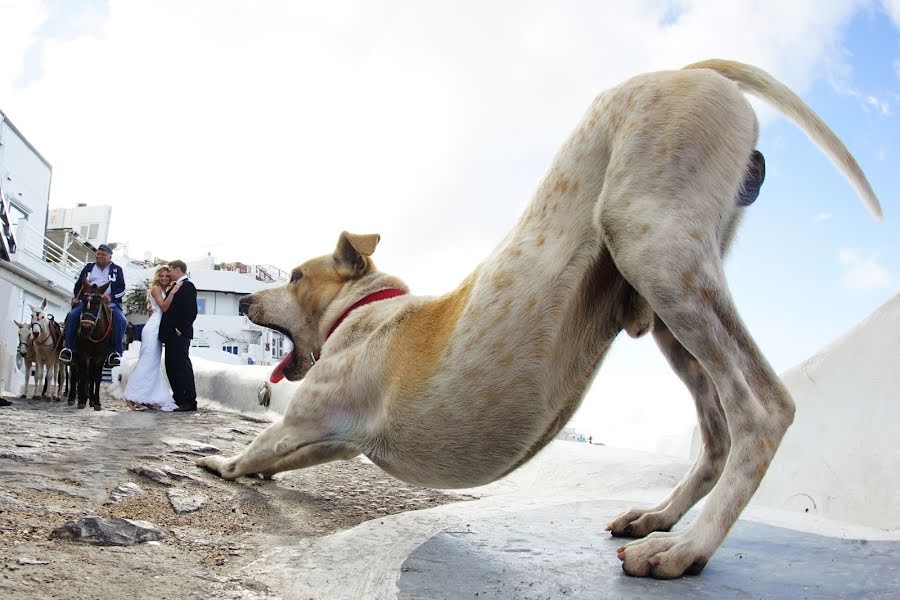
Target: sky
x=258, y=131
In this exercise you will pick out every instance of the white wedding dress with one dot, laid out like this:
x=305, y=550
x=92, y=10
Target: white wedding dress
x=147, y=385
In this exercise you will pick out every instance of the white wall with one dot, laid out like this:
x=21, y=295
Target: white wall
x=24, y=177
x=25, y=180
x=229, y=385
x=77, y=216
x=15, y=295
x=220, y=303
x=841, y=457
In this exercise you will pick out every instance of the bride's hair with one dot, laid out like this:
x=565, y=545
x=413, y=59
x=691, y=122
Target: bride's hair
x=156, y=276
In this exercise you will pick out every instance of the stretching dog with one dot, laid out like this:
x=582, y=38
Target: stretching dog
x=626, y=231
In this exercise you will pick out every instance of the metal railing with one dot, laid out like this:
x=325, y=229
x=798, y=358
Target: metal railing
x=271, y=273
x=35, y=244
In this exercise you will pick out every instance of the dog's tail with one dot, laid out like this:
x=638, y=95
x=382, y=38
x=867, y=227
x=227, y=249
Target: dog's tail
x=759, y=83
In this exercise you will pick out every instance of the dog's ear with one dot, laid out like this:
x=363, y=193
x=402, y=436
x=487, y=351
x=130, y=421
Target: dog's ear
x=353, y=249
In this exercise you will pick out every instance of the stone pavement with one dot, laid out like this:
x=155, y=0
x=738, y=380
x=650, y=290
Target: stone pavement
x=562, y=552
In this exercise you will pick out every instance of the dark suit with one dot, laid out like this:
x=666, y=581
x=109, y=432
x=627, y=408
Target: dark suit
x=175, y=331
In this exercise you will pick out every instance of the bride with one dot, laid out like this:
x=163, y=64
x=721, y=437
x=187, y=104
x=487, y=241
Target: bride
x=146, y=386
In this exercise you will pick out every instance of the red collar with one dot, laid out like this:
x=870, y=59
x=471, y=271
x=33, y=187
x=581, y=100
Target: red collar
x=278, y=373
x=379, y=295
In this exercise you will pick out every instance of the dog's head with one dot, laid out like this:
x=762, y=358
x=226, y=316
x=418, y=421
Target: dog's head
x=296, y=309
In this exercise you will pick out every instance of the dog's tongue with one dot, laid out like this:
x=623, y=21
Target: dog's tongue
x=278, y=373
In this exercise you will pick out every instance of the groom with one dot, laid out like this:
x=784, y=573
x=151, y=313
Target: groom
x=175, y=331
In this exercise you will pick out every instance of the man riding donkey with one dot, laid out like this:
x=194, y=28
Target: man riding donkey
x=98, y=273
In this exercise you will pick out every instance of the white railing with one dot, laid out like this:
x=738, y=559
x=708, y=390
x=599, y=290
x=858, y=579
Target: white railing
x=36, y=245
x=271, y=273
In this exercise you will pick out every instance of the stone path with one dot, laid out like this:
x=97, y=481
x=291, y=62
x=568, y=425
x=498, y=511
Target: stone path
x=59, y=464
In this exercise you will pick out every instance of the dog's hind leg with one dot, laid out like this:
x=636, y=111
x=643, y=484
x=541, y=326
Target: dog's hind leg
x=675, y=265
x=638, y=522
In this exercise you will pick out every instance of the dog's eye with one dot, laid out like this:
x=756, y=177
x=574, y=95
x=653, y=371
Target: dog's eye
x=296, y=276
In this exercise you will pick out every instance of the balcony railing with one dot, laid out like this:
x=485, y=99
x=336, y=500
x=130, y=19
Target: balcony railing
x=34, y=244
x=271, y=274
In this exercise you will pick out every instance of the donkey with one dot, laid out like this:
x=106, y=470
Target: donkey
x=45, y=333
x=93, y=342
x=26, y=351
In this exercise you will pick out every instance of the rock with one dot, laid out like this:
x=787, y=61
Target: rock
x=123, y=492
x=157, y=475
x=16, y=456
x=191, y=447
x=108, y=532
x=5, y=402
x=10, y=498
x=183, y=502
x=178, y=474
x=59, y=488
x=30, y=561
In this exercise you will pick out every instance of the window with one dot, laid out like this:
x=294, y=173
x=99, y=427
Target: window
x=231, y=349
x=16, y=213
x=90, y=230
x=201, y=306
x=277, y=345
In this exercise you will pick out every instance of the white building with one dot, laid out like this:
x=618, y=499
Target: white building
x=32, y=267
x=221, y=325
x=90, y=223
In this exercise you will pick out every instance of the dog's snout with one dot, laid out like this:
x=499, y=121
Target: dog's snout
x=244, y=304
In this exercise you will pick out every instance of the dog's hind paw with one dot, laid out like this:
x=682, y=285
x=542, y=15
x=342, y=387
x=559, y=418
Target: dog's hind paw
x=639, y=522
x=663, y=555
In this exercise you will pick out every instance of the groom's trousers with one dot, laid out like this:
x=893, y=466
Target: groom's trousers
x=180, y=371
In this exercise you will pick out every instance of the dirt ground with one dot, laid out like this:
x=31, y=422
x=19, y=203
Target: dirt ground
x=58, y=464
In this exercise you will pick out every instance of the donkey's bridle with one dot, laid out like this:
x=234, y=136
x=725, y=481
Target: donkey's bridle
x=40, y=331
x=93, y=317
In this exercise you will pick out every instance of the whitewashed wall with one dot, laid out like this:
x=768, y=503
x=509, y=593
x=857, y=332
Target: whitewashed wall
x=77, y=216
x=841, y=457
x=220, y=303
x=14, y=300
x=24, y=177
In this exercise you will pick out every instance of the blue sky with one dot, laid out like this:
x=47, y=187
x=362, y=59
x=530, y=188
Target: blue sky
x=258, y=132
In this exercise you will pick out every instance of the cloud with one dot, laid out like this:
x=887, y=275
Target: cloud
x=892, y=8
x=862, y=273
x=822, y=217
x=882, y=106
x=840, y=76
x=21, y=20
x=262, y=130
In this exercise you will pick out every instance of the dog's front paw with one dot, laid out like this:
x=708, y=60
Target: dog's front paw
x=663, y=555
x=215, y=464
x=638, y=522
